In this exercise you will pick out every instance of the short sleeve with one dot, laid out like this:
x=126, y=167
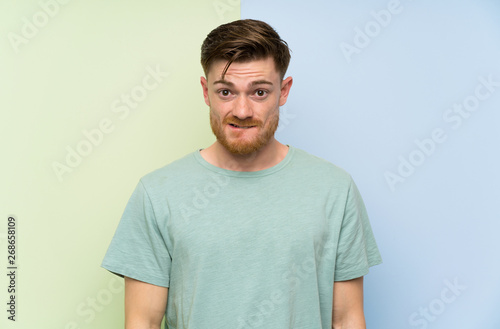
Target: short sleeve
x=138, y=249
x=357, y=250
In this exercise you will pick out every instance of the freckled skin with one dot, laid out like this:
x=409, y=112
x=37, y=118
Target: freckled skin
x=244, y=114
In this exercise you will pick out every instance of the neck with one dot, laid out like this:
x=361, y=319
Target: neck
x=268, y=156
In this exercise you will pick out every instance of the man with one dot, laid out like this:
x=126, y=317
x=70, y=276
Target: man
x=249, y=232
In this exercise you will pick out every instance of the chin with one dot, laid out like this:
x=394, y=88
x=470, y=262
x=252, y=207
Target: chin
x=241, y=148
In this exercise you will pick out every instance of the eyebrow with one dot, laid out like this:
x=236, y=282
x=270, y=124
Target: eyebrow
x=253, y=83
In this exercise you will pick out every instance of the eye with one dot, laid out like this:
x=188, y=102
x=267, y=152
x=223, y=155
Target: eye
x=261, y=93
x=224, y=92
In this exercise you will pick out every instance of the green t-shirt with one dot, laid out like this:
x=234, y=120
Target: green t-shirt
x=245, y=249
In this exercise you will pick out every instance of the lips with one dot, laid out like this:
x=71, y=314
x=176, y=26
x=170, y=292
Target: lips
x=240, y=127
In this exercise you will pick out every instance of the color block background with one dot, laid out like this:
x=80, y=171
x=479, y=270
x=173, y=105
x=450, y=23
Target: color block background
x=106, y=91
x=402, y=94
x=405, y=95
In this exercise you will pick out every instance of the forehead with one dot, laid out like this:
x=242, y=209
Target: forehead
x=248, y=70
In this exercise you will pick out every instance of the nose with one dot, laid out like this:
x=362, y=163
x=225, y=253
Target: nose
x=243, y=108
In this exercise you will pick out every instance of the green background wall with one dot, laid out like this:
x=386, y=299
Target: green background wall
x=82, y=119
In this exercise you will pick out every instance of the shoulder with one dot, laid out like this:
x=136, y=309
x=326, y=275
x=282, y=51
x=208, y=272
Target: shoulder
x=172, y=173
x=314, y=166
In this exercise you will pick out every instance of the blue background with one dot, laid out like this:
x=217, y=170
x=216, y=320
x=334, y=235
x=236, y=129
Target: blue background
x=438, y=225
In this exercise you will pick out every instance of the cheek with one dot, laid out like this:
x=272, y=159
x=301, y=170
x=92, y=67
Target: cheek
x=214, y=114
x=217, y=113
x=272, y=114
x=222, y=109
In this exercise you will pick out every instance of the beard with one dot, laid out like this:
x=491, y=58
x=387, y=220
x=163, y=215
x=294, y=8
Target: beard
x=239, y=145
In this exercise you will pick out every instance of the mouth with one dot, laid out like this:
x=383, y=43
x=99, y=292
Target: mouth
x=240, y=127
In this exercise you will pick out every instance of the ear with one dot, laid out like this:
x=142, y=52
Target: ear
x=285, y=89
x=204, y=86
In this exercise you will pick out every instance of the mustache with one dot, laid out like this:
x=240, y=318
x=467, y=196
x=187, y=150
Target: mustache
x=243, y=123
